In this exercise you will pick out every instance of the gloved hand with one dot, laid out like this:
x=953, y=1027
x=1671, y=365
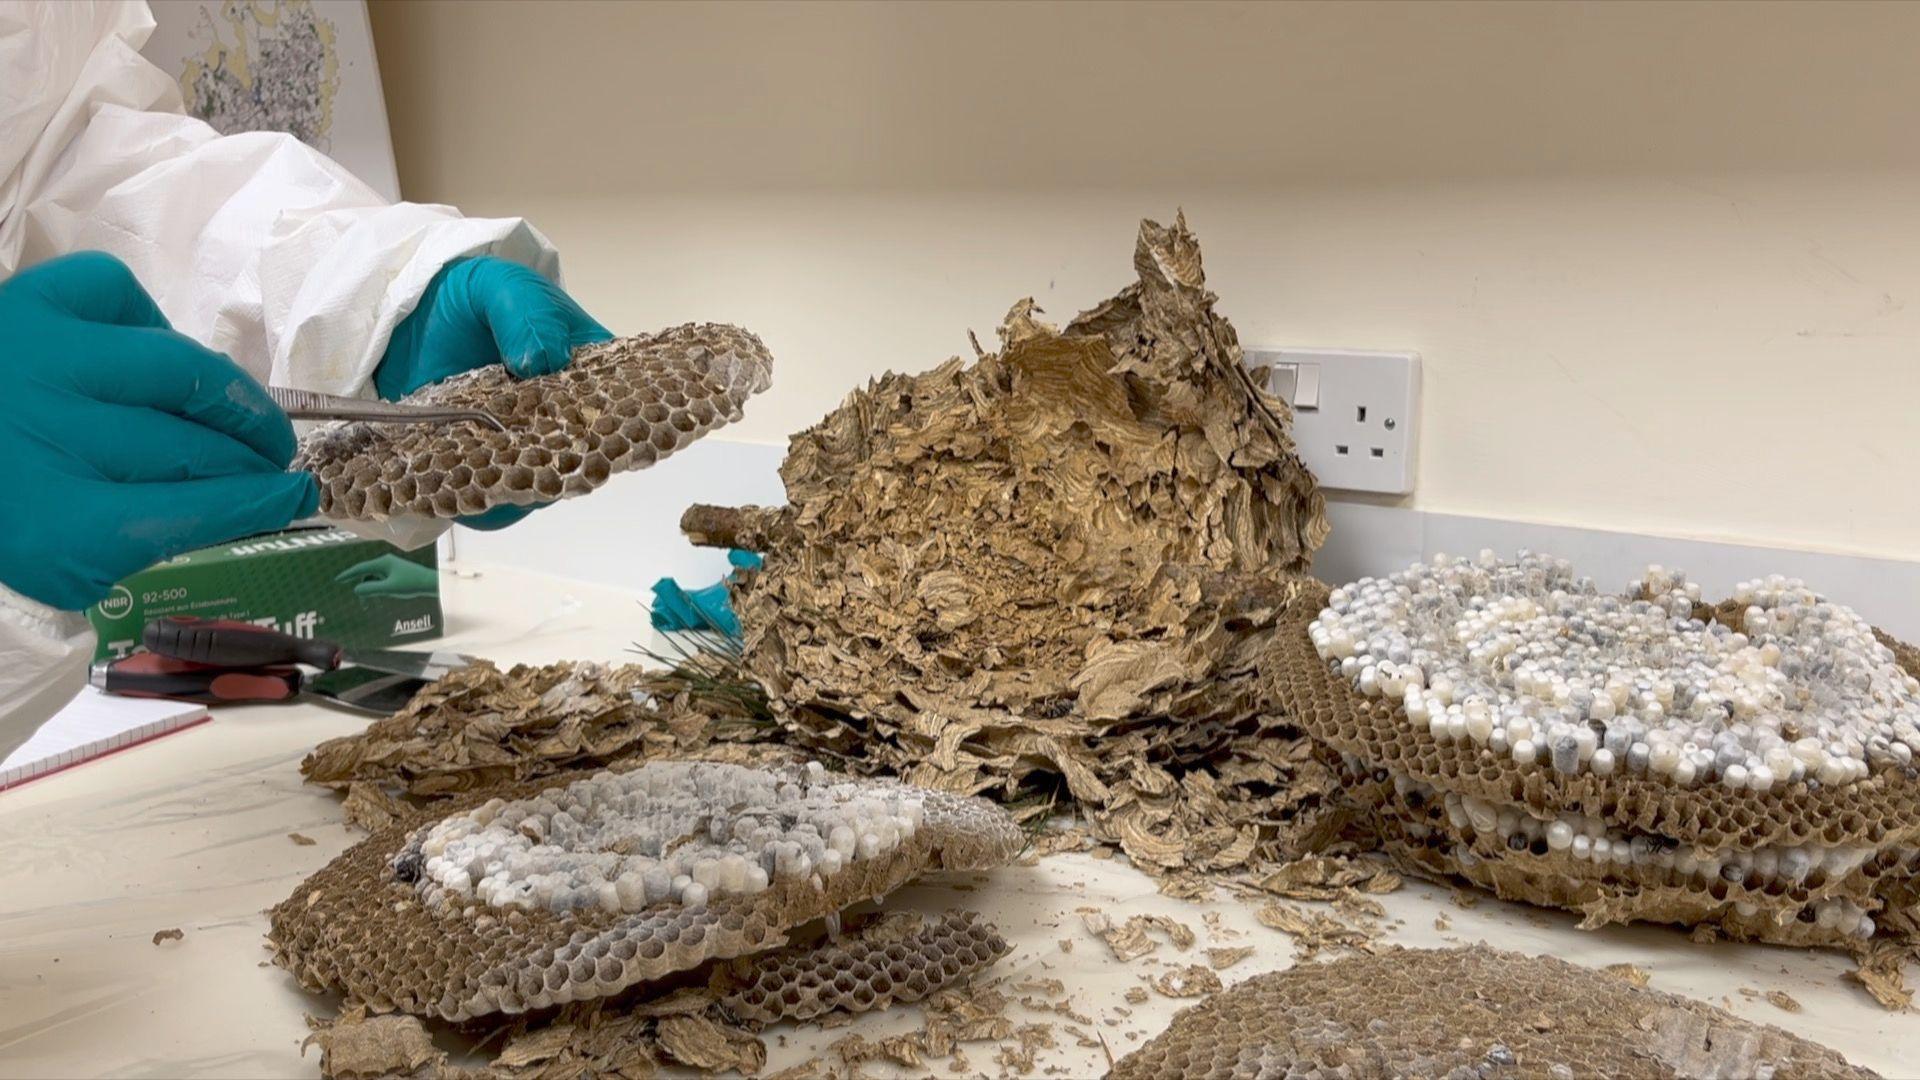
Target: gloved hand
x=676, y=609
x=390, y=575
x=679, y=609
x=481, y=311
x=124, y=443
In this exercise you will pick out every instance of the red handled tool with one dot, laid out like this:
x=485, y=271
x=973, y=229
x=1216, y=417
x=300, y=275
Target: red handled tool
x=222, y=661
x=155, y=676
x=361, y=689
x=219, y=662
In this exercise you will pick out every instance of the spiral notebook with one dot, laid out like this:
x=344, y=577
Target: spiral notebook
x=92, y=726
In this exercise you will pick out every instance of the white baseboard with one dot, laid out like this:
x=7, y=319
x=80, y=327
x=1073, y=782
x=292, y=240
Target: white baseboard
x=628, y=535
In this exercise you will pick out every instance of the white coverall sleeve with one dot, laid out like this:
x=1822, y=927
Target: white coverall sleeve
x=255, y=244
x=43, y=663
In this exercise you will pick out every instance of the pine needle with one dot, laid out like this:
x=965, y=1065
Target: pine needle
x=711, y=666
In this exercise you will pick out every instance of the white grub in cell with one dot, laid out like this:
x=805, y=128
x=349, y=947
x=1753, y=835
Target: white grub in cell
x=1515, y=834
x=686, y=832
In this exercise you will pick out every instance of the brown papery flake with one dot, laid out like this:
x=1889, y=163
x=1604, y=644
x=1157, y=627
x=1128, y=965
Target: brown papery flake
x=482, y=727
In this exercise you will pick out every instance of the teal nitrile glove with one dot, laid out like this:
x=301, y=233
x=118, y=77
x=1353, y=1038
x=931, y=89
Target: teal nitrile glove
x=481, y=311
x=124, y=442
x=390, y=576
x=677, y=609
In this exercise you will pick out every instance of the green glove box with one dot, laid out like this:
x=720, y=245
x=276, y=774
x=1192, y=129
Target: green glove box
x=316, y=583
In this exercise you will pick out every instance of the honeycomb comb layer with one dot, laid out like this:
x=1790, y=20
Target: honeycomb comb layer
x=1474, y=1012
x=1880, y=810
x=898, y=959
x=619, y=405
x=359, y=927
x=1865, y=832
x=1744, y=898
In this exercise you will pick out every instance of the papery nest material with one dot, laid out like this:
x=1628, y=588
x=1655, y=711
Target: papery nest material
x=1474, y=1012
x=369, y=926
x=1409, y=790
x=483, y=726
x=1051, y=575
x=893, y=958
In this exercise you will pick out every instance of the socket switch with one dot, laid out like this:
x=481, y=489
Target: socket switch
x=1356, y=413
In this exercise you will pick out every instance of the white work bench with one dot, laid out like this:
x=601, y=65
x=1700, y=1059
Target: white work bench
x=191, y=832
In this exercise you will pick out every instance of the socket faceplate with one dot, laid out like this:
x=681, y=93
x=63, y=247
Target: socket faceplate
x=1359, y=430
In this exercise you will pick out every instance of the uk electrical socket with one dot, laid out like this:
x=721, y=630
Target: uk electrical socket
x=1356, y=414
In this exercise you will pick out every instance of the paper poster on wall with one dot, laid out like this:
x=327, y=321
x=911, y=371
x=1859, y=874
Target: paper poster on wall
x=305, y=67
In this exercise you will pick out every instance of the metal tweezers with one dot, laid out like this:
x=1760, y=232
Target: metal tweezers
x=308, y=405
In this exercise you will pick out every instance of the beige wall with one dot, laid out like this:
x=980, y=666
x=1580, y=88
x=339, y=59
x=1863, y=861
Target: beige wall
x=1660, y=259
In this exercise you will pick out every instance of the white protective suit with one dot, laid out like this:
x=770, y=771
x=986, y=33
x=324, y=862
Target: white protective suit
x=255, y=245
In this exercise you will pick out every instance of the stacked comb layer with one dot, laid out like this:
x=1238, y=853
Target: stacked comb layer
x=440, y=917
x=620, y=405
x=1632, y=757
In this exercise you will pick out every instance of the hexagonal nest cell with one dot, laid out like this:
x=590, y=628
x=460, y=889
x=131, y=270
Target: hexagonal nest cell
x=1641, y=756
x=1476, y=1012
x=898, y=958
x=576, y=888
x=619, y=405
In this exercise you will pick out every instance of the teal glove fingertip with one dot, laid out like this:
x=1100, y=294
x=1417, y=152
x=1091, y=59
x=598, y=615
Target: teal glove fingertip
x=535, y=324
x=310, y=495
x=484, y=310
x=672, y=610
x=678, y=609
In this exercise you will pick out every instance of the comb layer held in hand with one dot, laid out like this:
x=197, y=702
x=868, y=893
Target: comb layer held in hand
x=620, y=405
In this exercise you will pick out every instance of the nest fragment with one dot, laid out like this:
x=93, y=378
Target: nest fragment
x=899, y=958
x=894, y=957
x=1474, y=1012
x=1704, y=856
x=619, y=405
x=371, y=926
x=481, y=727
x=1051, y=573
